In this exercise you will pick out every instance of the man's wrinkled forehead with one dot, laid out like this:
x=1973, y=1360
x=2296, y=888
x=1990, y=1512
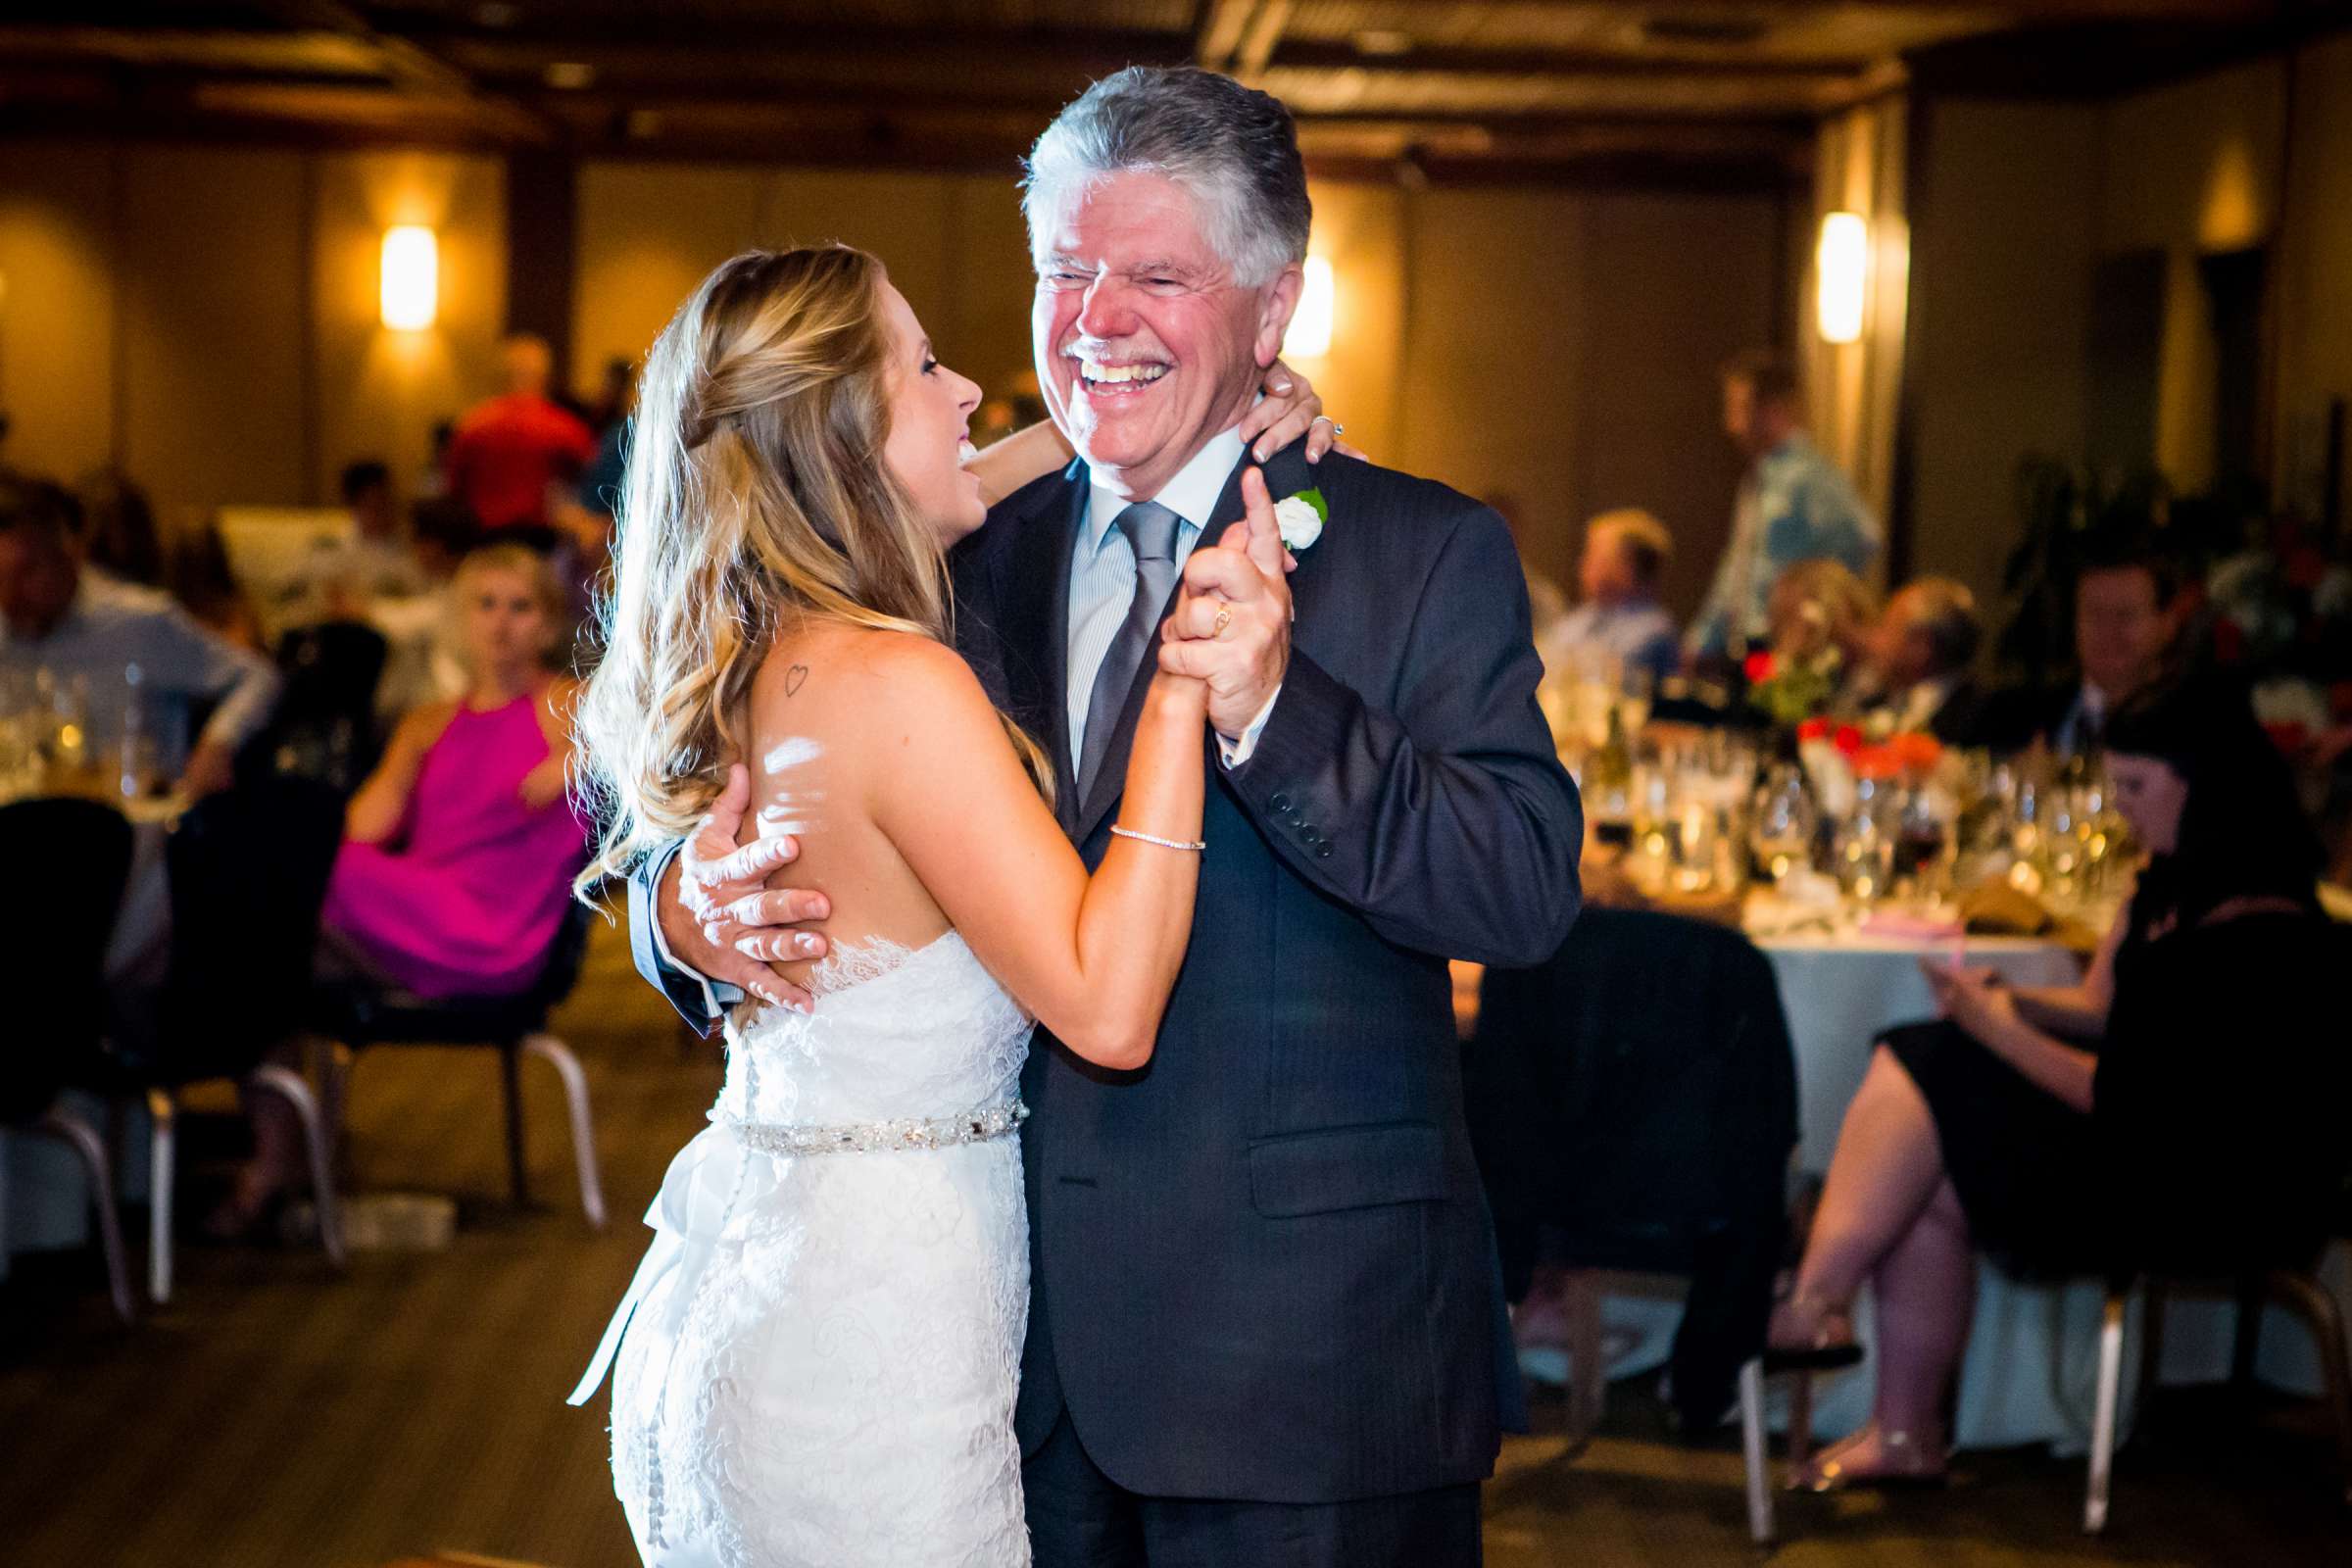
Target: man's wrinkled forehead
x=1124, y=219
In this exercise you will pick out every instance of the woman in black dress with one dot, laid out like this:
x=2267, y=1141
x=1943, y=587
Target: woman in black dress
x=2180, y=1108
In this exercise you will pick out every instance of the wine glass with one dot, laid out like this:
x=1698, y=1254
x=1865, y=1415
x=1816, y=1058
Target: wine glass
x=1782, y=828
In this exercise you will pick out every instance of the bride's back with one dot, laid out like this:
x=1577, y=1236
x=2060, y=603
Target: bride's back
x=827, y=705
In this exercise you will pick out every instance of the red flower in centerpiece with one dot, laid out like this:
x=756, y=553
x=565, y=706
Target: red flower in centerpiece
x=1813, y=729
x=1757, y=669
x=1848, y=740
x=1915, y=752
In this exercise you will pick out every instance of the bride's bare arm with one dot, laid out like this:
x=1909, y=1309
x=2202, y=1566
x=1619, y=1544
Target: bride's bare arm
x=1094, y=957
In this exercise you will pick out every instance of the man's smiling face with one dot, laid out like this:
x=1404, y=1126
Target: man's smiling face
x=1145, y=347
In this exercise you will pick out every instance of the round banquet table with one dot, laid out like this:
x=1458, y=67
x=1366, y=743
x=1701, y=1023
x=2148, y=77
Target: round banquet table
x=2029, y=1372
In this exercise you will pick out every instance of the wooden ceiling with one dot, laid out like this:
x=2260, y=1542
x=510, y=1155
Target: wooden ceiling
x=1686, y=89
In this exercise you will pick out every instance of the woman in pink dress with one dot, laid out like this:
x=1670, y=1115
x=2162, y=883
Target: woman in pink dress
x=459, y=851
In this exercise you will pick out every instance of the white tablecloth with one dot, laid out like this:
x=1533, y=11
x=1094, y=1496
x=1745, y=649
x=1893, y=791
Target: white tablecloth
x=2027, y=1373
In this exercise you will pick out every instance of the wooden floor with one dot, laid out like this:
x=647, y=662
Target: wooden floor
x=278, y=1415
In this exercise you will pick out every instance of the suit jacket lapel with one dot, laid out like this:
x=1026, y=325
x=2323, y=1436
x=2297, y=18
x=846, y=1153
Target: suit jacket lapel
x=1035, y=621
x=1287, y=474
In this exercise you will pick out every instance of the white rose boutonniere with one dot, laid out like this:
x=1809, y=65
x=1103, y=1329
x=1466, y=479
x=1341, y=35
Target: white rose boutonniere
x=1301, y=519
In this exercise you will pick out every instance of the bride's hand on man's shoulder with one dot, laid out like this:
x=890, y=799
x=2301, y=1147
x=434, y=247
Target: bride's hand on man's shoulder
x=1291, y=408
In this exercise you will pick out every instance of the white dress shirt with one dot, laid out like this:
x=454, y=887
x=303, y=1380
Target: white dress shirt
x=113, y=626
x=1103, y=576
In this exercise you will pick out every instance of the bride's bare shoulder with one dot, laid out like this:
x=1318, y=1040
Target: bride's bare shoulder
x=888, y=676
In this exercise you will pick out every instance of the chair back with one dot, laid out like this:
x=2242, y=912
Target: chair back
x=565, y=956
x=249, y=871
x=70, y=858
x=325, y=723
x=1637, y=1094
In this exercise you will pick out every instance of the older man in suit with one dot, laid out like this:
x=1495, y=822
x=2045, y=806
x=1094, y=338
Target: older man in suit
x=1265, y=1324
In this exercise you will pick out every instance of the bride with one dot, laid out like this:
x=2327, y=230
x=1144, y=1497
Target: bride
x=816, y=1363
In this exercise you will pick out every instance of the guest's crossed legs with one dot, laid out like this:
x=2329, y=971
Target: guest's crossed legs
x=1889, y=1213
x=1080, y=1518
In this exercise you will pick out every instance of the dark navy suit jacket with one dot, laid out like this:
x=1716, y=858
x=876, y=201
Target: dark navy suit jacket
x=1262, y=1267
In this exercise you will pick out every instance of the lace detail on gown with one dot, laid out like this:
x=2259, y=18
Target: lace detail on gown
x=822, y=1351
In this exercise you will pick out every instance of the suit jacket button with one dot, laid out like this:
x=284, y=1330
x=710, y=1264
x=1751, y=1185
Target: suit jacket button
x=1281, y=805
x=1323, y=851
x=1309, y=837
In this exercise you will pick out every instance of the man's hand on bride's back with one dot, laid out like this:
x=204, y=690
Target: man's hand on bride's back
x=722, y=921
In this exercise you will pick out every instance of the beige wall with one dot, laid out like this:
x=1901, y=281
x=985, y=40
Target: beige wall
x=2314, y=278
x=2191, y=171
x=2002, y=252
x=207, y=317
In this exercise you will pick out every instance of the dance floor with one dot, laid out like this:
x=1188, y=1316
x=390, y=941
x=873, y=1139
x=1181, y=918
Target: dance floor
x=276, y=1416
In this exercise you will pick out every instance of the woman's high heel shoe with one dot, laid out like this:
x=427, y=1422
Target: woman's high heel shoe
x=1914, y=1471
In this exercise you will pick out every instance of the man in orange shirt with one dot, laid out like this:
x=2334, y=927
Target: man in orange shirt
x=506, y=452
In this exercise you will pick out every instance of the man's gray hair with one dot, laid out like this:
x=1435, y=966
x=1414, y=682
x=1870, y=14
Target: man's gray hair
x=1232, y=148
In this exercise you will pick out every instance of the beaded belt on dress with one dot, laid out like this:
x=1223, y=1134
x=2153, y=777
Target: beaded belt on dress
x=879, y=1137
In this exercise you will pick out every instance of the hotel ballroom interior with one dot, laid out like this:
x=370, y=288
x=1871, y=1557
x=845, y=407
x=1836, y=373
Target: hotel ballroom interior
x=1923, y=429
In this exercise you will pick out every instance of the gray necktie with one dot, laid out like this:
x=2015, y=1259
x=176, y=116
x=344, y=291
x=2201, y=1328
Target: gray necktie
x=1150, y=528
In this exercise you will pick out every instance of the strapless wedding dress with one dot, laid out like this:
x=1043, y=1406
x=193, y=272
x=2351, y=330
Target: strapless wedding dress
x=816, y=1363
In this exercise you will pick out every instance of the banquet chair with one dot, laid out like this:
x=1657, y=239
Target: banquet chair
x=248, y=869
x=325, y=723
x=361, y=1016
x=76, y=854
x=1638, y=1094
x=2299, y=1290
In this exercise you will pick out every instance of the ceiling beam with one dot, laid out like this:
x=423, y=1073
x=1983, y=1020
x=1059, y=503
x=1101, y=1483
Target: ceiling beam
x=409, y=65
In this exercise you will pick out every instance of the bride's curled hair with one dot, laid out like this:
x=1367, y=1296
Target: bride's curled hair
x=757, y=494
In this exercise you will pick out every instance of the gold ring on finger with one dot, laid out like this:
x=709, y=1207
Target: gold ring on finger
x=1223, y=620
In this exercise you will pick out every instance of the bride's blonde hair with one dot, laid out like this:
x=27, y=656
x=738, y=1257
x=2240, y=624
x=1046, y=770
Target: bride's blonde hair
x=757, y=496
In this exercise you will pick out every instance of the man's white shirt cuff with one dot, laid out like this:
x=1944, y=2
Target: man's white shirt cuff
x=1235, y=752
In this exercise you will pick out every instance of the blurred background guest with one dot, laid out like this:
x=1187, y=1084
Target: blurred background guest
x=460, y=849
x=1621, y=618
x=508, y=453
x=1819, y=617
x=2126, y=603
x=143, y=664
x=345, y=581
x=2095, y=1127
x=117, y=528
x=1920, y=656
x=1795, y=504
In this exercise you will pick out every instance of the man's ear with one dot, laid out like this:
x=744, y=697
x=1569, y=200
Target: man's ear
x=1277, y=302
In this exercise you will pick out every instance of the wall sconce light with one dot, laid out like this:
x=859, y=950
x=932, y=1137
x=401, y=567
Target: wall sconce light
x=1309, y=336
x=1842, y=269
x=411, y=282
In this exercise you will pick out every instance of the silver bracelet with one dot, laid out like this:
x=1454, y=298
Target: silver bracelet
x=1117, y=831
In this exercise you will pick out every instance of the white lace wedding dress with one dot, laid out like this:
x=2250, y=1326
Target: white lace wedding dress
x=823, y=1344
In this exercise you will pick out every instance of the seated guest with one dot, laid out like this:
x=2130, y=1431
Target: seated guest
x=1920, y=654
x=117, y=528
x=2126, y=618
x=143, y=662
x=1819, y=617
x=379, y=562
x=460, y=849
x=2180, y=1108
x=1621, y=616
